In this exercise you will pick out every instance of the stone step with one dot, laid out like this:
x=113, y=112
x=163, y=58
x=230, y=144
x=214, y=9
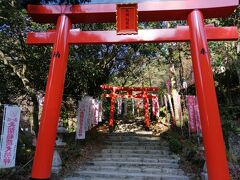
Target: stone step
x=125, y=178
x=144, y=151
x=150, y=147
x=134, y=138
x=129, y=156
x=138, y=133
x=120, y=175
x=171, y=171
x=135, y=143
x=120, y=155
x=133, y=164
x=131, y=135
x=137, y=159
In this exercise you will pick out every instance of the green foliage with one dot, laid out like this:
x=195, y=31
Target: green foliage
x=173, y=137
x=230, y=121
x=187, y=147
x=175, y=145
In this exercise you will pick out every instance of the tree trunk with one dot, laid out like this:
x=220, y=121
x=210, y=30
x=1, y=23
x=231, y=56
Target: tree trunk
x=35, y=113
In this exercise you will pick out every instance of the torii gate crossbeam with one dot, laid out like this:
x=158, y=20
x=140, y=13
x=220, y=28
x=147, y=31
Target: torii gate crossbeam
x=179, y=34
x=194, y=11
x=147, y=11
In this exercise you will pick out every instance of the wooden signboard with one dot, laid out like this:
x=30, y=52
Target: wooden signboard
x=127, y=19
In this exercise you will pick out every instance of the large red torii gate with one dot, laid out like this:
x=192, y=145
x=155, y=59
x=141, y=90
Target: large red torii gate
x=142, y=92
x=194, y=11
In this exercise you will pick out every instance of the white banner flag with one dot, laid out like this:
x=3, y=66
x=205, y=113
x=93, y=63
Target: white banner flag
x=166, y=107
x=95, y=109
x=171, y=105
x=9, y=136
x=80, y=132
x=133, y=106
x=177, y=106
x=138, y=106
x=88, y=115
x=100, y=112
x=92, y=113
x=86, y=104
x=155, y=106
x=119, y=103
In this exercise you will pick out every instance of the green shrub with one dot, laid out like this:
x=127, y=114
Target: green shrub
x=175, y=145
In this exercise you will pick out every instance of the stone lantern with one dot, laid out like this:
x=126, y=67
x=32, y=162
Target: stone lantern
x=57, y=162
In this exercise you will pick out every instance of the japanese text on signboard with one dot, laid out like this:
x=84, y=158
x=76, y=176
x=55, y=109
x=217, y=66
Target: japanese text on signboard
x=127, y=19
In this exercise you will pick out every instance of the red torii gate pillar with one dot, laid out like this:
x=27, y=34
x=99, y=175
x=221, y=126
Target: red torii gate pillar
x=211, y=125
x=112, y=108
x=146, y=108
x=52, y=102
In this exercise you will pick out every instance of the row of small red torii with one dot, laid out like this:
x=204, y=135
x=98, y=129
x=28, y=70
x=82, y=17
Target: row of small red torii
x=142, y=92
x=194, y=11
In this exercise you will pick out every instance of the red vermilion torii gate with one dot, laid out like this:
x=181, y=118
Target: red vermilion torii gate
x=194, y=11
x=142, y=92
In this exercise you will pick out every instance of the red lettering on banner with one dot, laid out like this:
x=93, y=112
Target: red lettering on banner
x=89, y=115
x=191, y=113
x=155, y=106
x=197, y=117
x=81, y=116
x=9, y=140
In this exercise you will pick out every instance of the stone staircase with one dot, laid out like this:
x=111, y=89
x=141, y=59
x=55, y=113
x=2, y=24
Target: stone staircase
x=132, y=156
